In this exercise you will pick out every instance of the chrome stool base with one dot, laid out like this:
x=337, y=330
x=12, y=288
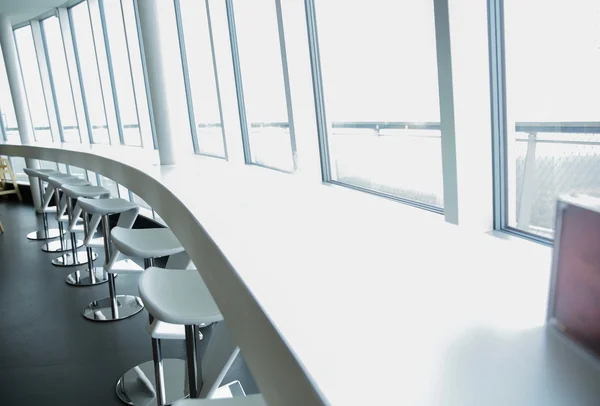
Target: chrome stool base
x=138, y=385
x=68, y=260
x=100, y=310
x=60, y=246
x=82, y=278
x=42, y=235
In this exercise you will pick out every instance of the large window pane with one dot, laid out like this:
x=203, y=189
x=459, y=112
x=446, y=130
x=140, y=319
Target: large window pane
x=60, y=76
x=7, y=109
x=202, y=79
x=552, y=59
x=117, y=42
x=263, y=84
x=33, y=84
x=379, y=79
x=110, y=185
x=88, y=67
x=137, y=71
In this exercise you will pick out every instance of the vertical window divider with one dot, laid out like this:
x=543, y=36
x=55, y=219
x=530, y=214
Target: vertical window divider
x=286, y=83
x=80, y=76
x=51, y=80
x=216, y=73
x=186, y=76
x=3, y=126
x=62, y=37
x=238, y=81
x=498, y=113
x=135, y=95
x=111, y=72
x=145, y=71
x=319, y=98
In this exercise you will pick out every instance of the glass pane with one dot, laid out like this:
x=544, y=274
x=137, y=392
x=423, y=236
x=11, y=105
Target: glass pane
x=263, y=86
x=203, y=84
x=92, y=178
x=137, y=71
x=140, y=202
x=60, y=75
x=49, y=165
x=7, y=109
x=380, y=87
x=88, y=66
x=111, y=185
x=117, y=42
x=33, y=84
x=552, y=53
x=18, y=164
x=79, y=172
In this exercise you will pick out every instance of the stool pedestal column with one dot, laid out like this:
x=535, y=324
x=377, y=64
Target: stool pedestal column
x=114, y=307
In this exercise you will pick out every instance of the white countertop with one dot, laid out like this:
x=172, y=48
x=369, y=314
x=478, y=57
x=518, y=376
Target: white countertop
x=342, y=298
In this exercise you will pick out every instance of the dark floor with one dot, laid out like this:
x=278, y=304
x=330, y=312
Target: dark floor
x=50, y=354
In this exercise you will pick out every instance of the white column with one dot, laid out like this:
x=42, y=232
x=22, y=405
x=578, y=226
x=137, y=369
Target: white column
x=15, y=82
x=165, y=79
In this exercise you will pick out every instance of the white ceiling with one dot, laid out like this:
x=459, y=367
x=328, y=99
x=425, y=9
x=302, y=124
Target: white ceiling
x=18, y=11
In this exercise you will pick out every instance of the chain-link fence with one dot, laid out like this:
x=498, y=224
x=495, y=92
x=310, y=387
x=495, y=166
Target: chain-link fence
x=563, y=164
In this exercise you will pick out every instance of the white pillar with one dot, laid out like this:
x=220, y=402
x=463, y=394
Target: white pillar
x=15, y=82
x=165, y=80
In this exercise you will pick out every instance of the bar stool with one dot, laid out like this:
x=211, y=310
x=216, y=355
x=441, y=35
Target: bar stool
x=148, y=244
x=46, y=233
x=180, y=297
x=96, y=275
x=62, y=244
x=252, y=400
x=114, y=307
x=63, y=205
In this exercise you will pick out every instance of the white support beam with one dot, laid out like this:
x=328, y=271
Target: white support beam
x=17, y=90
x=464, y=82
x=165, y=79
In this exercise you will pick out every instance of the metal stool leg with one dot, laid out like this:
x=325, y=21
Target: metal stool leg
x=96, y=275
x=73, y=258
x=114, y=307
x=169, y=382
x=191, y=332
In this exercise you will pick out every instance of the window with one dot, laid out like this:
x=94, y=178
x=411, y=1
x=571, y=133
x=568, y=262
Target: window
x=121, y=71
x=110, y=185
x=264, y=107
x=547, y=111
x=10, y=129
x=60, y=79
x=142, y=94
x=201, y=76
x=375, y=77
x=33, y=84
x=85, y=53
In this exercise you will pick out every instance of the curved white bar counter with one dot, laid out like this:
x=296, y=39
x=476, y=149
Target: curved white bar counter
x=339, y=298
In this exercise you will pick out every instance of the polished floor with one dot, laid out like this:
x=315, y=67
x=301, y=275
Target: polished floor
x=50, y=354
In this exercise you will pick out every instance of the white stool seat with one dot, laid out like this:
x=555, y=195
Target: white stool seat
x=77, y=191
x=145, y=242
x=35, y=173
x=59, y=181
x=105, y=206
x=178, y=297
x=252, y=400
